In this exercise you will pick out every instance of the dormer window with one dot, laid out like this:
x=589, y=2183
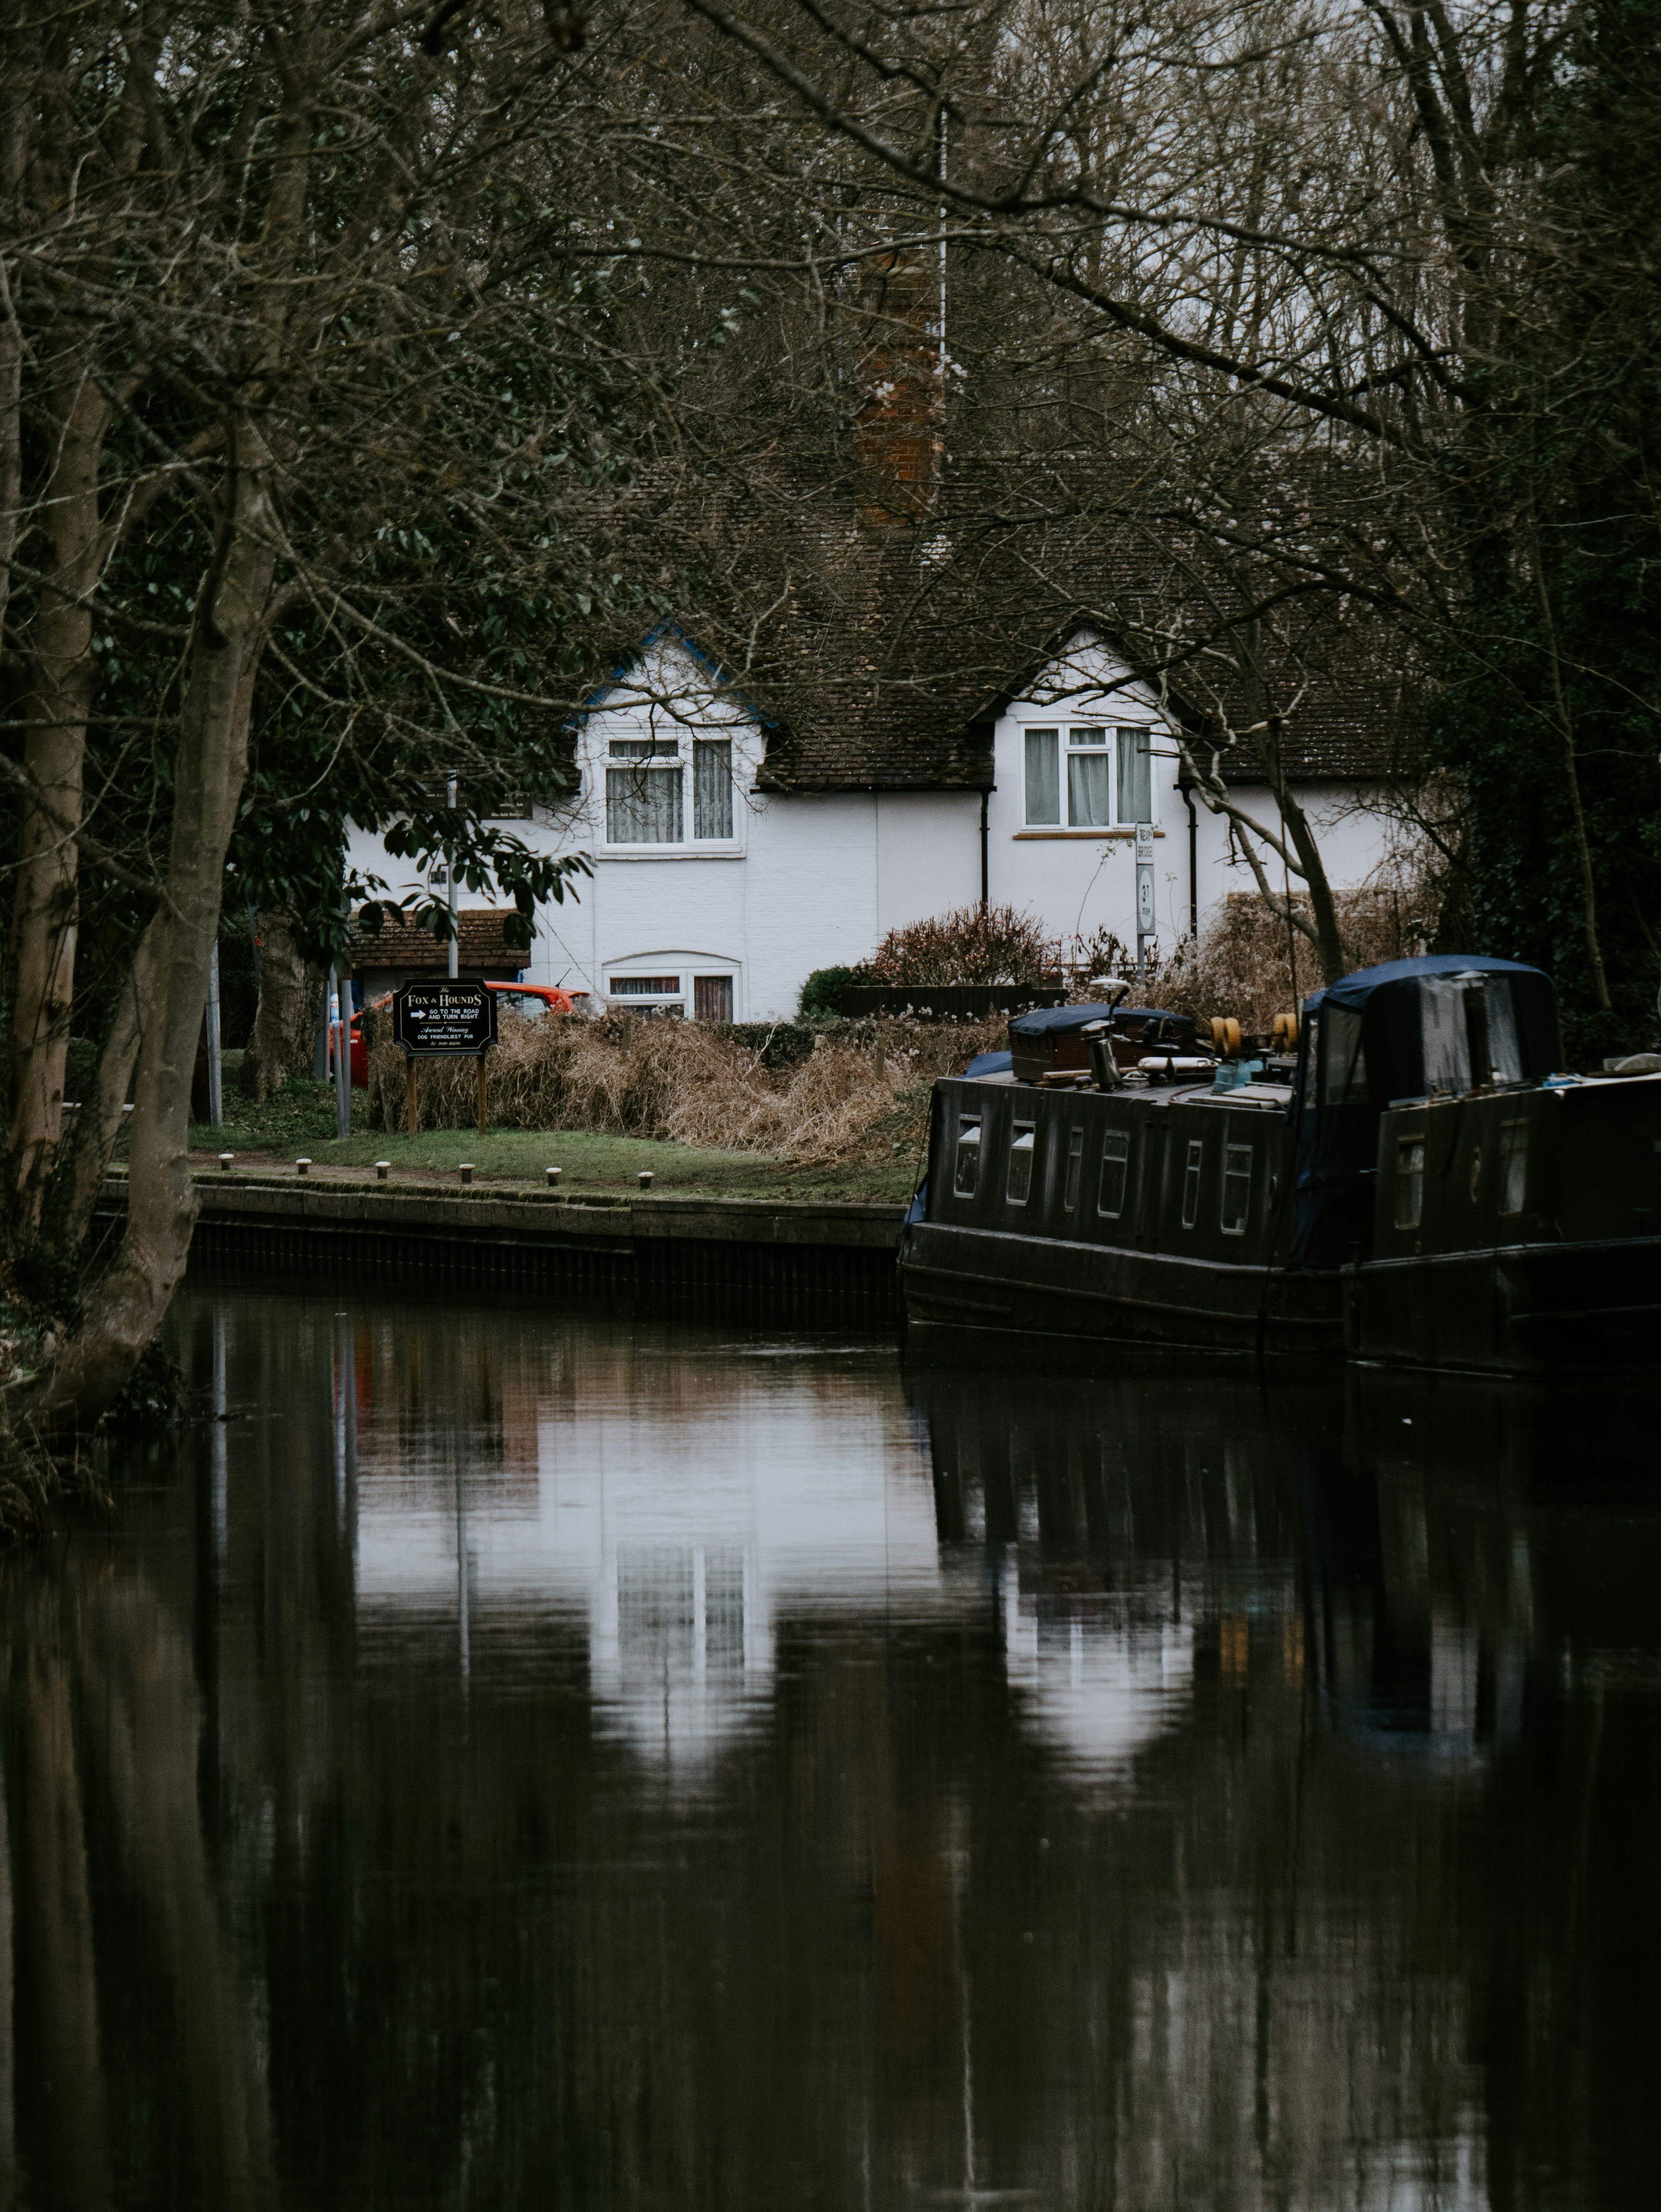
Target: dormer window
x=1087, y=777
x=657, y=786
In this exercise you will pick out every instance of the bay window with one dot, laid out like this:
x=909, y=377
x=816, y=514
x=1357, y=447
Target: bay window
x=1087, y=778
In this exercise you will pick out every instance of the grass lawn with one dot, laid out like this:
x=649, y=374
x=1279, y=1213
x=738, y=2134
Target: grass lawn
x=302, y=1120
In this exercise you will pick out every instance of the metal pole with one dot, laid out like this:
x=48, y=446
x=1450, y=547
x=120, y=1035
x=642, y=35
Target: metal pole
x=343, y=1055
x=450, y=878
x=215, y=1071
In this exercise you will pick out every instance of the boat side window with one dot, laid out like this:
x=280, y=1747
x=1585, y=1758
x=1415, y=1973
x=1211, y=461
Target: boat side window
x=1344, y=1082
x=1116, y=1168
x=966, y=1174
x=1513, y=1166
x=1018, y=1187
x=1311, y=1061
x=1074, y=1168
x=1409, y=1182
x=1191, y=1176
x=1237, y=1188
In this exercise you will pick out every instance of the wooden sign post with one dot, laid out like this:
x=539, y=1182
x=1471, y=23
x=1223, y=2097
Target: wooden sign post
x=444, y=1021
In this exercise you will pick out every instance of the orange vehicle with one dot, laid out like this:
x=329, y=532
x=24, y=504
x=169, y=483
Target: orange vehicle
x=553, y=999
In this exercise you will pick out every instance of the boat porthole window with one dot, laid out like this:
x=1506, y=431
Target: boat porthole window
x=1475, y=1173
x=1191, y=1181
x=1074, y=1168
x=1020, y=1185
x=1409, y=1182
x=1237, y=1189
x=967, y=1172
x=1116, y=1168
x=1513, y=1166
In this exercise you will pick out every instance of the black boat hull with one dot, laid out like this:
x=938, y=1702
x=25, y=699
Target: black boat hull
x=1539, y=1309
x=980, y=1284
x=1512, y=1232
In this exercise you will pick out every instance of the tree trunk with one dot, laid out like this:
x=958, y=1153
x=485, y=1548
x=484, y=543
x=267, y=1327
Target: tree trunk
x=46, y=913
x=79, y=1178
x=286, y=1020
x=1324, y=911
x=128, y=1305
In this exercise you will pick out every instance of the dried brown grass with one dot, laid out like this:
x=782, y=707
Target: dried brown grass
x=1244, y=965
x=860, y=1097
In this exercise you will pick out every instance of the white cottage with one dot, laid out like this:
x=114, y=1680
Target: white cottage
x=907, y=687
x=731, y=857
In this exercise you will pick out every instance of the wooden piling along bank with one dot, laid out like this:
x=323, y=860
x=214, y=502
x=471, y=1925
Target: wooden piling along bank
x=785, y=1261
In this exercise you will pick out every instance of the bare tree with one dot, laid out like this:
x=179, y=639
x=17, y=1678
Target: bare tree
x=292, y=329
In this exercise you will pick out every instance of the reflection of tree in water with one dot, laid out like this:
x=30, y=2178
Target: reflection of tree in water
x=1223, y=1823
x=111, y=1870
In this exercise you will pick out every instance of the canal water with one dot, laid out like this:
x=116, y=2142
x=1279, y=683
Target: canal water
x=522, y=1755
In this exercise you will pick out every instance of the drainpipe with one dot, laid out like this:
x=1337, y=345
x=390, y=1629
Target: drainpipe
x=985, y=800
x=1186, y=790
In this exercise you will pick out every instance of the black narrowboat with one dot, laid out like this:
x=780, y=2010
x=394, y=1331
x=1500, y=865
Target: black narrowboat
x=1420, y=1187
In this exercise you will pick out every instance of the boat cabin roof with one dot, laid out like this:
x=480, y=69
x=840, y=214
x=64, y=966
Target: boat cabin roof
x=1044, y=1021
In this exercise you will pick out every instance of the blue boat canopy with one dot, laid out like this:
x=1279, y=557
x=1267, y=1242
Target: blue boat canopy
x=1044, y=1021
x=1439, y=1026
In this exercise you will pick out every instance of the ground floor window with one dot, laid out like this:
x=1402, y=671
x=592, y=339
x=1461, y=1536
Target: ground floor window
x=644, y=986
x=712, y=998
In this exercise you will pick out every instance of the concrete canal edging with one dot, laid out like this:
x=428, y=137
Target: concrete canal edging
x=789, y=1259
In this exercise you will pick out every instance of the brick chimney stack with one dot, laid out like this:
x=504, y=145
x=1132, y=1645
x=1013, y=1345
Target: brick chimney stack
x=899, y=430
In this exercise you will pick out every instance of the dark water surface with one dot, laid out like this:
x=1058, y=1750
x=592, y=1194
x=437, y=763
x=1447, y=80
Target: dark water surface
x=521, y=1757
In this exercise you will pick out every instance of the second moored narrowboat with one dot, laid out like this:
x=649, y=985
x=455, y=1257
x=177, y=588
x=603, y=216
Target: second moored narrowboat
x=1423, y=1186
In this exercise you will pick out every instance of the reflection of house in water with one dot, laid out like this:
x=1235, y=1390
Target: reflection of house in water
x=667, y=1521
x=1097, y=1680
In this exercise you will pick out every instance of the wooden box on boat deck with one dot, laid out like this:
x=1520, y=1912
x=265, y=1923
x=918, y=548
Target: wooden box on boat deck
x=1133, y=1032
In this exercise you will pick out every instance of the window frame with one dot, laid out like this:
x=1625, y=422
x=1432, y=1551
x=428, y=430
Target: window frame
x=687, y=969
x=716, y=976
x=1409, y=1177
x=1073, y=1176
x=1024, y=1142
x=1098, y=740
x=1513, y=1167
x=1231, y=1175
x=677, y=752
x=968, y=1151
x=1193, y=1181
x=1121, y=1160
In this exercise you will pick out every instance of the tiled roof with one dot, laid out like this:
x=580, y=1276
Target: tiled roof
x=880, y=654
x=481, y=948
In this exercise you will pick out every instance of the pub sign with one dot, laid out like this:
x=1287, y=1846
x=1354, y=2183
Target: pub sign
x=434, y=1018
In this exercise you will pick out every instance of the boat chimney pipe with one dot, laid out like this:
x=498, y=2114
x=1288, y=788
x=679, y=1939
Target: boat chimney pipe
x=1098, y=1038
